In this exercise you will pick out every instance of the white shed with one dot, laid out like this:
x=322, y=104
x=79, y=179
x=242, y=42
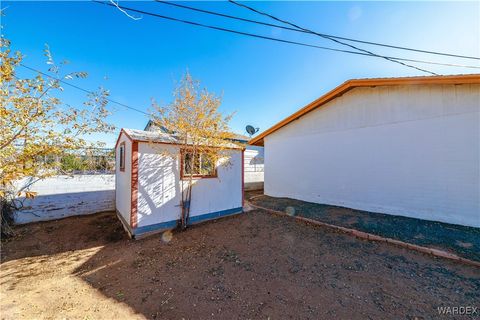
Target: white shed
x=148, y=184
x=401, y=146
x=252, y=164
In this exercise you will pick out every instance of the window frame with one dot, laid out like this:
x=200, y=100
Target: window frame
x=185, y=176
x=121, y=156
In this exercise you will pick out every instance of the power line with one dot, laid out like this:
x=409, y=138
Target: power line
x=333, y=39
x=276, y=39
x=82, y=89
x=361, y=41
x=303, y=31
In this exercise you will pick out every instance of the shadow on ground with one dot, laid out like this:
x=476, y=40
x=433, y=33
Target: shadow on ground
x=63, y=235
x=461, y=240
x=254, y=265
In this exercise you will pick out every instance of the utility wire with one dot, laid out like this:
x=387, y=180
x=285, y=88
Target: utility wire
x=81, y=89
x=303, y=31
x=332, y=39
x=275, y=39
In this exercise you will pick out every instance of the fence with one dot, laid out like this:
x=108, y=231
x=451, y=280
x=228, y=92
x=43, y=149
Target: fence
x=90, y=185
x=85, y=161
x=85, y=184
x=63, y=196
x=253, y=166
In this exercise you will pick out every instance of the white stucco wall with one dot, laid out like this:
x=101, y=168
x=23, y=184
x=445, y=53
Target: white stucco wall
x=123, y=179
x=254, y=167
x=404, y=150
x=64, y=196
x=159, y=193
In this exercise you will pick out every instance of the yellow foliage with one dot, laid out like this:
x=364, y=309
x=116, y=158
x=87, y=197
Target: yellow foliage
x=30, y=194
x=203, y=131
x=195, y=120
x=35, y=127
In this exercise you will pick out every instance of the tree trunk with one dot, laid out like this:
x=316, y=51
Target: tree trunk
x=186, y=202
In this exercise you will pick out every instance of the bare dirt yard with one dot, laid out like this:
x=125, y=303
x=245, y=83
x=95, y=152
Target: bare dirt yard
x=251, y=266
x=460, y=240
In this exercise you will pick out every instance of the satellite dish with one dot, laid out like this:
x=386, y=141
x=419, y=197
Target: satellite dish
x=251, y=130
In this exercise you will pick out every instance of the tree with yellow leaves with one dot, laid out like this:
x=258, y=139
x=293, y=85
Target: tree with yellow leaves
x=36, y=129
x=203, y=132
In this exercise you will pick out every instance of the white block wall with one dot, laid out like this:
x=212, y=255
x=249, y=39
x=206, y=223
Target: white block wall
x=63, y=196
x=159, y=193
x=254, y=167
x=404, y=150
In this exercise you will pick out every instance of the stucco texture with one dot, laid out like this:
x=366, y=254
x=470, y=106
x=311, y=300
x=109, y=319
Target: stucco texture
x=404, y=150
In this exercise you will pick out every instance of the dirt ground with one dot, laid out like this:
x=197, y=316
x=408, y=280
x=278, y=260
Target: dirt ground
x=251, y=266
x=460, y=240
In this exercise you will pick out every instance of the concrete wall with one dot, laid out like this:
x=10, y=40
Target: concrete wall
x=404, y=150
x=159, y=186
x=63, y=196
x=123, y=180
x=254, y=167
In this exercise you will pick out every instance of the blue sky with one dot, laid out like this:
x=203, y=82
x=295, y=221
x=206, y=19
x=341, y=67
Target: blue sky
x=262, y=81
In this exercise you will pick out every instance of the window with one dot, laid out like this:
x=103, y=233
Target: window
x=201, y=167
x=121, y=156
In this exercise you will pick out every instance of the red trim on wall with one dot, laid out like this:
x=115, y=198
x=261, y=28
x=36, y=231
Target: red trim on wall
x=134, y=186
x=118, y=139
x=243, y=177
x=195, y=176
x=120, y=135
x=126, y=134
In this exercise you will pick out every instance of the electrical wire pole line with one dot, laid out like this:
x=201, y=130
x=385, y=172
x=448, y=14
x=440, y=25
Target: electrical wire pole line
x=81, y=89
x=303, y=31
x=332, y=39
x=197, y=24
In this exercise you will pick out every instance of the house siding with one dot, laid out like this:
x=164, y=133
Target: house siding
x=159, y=193
x=404, y=150
x=123, y=179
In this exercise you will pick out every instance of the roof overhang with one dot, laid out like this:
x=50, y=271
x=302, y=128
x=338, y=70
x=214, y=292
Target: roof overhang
x=163, y=138
x=356, y=83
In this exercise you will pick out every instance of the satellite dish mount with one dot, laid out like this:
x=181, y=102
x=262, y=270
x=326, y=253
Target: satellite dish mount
x=251, y=130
